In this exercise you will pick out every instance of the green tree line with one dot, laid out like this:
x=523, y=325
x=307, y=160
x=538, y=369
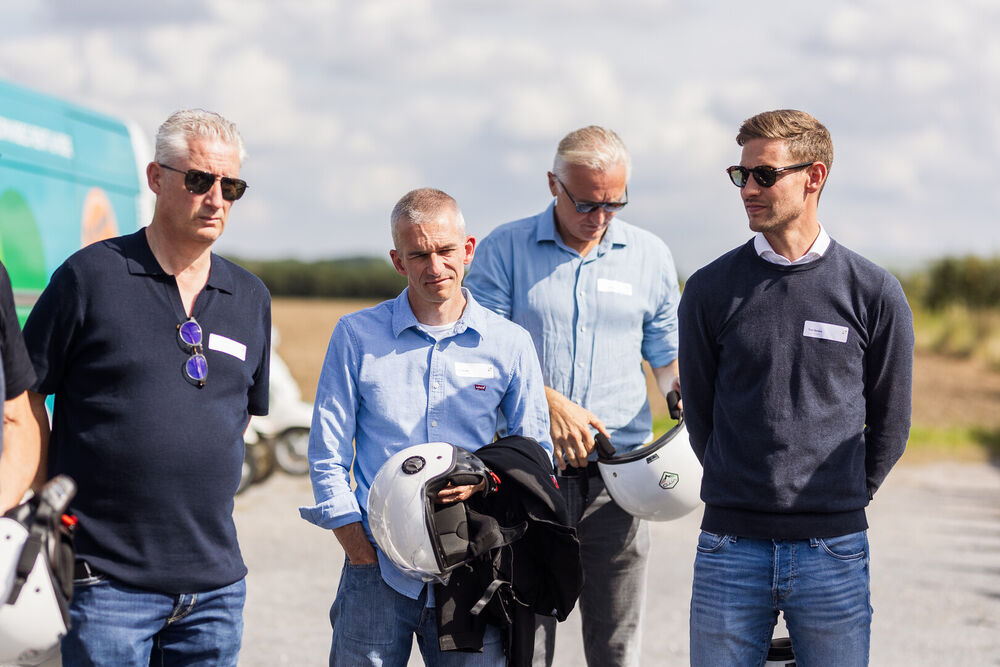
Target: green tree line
x=972, y=282
x=347, y=278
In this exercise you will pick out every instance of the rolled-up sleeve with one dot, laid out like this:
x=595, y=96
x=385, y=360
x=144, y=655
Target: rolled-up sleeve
x=331, y=439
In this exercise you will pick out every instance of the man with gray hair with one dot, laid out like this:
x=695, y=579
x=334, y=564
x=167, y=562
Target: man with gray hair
x=157, y=352
x=598, y=296
x=431, y=365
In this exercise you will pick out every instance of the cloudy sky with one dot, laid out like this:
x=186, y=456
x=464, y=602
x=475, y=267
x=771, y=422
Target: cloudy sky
x=347, y=105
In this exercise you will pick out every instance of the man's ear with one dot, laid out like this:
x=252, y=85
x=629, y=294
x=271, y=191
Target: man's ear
x=553, y=184
x=817, y=177
x=153, y=176
x=470, y=249
x=397, y=262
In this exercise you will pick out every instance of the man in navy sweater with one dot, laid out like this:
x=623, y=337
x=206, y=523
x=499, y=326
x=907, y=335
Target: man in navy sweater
x=796, y=359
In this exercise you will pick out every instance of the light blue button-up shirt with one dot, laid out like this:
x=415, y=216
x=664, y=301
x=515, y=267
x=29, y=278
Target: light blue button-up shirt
x=386, y=385
x=593, y=319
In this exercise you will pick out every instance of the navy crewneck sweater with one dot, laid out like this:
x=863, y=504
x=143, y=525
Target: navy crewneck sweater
x=797, y=386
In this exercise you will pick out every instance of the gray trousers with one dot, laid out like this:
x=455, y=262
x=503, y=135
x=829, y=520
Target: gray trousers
x=614, y=548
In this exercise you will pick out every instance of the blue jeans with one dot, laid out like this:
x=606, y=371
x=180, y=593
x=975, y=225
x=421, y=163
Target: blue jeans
x=614, y=550
x=821, y=586
x=374, y=625
x=118, y=624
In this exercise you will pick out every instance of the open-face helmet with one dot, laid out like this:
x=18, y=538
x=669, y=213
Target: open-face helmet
x=660, y=481
x=423, y=537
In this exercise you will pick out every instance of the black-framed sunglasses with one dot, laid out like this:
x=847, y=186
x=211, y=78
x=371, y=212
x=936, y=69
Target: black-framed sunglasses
x=189, y=337
x=765, y=176
x=199, y=182
x=588, y=206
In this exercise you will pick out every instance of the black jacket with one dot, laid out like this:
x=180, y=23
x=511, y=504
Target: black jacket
x=540, y=572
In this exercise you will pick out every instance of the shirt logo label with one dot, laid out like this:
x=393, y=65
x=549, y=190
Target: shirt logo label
x=825, y=331
x=467, y=370
x=480, y=387
x=614, y=286
x=227, y=345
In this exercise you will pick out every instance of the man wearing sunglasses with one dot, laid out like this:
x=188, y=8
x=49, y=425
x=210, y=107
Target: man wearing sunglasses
x=598, y=296
x=157, y=352
x=796, y=362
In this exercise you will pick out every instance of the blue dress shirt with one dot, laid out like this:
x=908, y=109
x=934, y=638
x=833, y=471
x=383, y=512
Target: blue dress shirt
x=593, y=319
x=386, y=385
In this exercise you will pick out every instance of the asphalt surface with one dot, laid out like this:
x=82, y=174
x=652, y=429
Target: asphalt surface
x=935, y=542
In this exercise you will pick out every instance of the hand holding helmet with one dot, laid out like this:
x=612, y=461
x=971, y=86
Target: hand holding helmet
x=416, y=508
x=660, y=481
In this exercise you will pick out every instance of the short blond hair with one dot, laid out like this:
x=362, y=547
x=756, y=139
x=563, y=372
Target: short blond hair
x=807, y=139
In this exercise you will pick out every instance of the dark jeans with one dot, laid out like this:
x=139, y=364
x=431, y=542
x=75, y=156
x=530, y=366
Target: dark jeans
x=614, y=548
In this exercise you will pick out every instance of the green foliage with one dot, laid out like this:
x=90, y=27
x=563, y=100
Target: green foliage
x=348, y=278
x=972, y=282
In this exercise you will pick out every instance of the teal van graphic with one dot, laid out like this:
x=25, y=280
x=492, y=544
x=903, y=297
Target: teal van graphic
x=69, y=176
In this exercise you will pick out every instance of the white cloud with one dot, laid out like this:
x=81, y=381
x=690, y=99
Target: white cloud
x=345, y=106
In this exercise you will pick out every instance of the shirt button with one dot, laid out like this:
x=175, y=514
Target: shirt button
x=434, y=423
x=436, y=384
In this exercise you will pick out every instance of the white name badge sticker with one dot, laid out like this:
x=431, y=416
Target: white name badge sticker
x=466, y=370
x=834, y=332
x=227, y=345
x=614, y=286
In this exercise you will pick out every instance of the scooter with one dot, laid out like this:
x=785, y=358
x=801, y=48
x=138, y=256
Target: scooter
x=280, y=439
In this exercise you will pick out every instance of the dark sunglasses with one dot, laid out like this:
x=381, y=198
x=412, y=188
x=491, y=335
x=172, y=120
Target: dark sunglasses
x=765, y=176
x=189, y=337
x=199, y=182
x=588, y=206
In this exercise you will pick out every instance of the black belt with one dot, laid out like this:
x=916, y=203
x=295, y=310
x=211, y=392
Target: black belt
x=591, y=470
x=82, y=570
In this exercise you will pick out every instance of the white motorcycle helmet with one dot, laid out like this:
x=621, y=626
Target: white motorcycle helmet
x=422, y=537
x=36, y=575
x=659, y=482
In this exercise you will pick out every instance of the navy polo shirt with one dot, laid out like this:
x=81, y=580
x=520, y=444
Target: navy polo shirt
x=156, y=458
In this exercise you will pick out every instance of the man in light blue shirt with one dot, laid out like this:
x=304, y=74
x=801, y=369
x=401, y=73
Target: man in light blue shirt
x=431, y=365
x=598, y=296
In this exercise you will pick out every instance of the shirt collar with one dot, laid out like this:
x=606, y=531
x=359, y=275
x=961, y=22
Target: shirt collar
x=816, y=250
x=545, y=231
x=140, y=261
x=403, y=318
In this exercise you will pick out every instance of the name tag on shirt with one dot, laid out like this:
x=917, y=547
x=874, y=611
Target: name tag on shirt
x=834, y=332
x=467, y=370
x=614, y=286
x=227, y=345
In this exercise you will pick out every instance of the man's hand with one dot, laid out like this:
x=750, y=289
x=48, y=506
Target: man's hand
x=355, y=543
x=668, y=380
x=454, y=494
x=570, y=426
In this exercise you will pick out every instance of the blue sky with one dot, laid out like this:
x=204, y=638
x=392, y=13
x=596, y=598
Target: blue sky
x=347, y=105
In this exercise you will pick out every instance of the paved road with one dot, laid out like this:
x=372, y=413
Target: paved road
x=935, y=540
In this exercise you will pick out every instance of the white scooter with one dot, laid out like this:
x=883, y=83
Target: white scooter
x=281, y=437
